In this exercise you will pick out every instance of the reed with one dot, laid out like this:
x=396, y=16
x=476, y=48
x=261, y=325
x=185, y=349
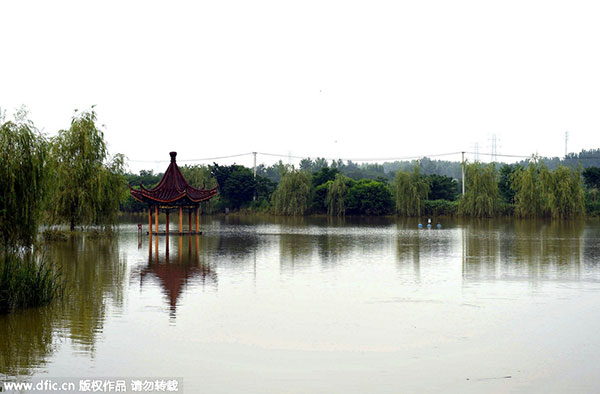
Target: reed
x=28, y=281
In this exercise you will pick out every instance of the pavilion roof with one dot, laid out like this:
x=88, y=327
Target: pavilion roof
x=173, y=189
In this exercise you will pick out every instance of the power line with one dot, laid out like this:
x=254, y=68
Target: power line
x=499, y=154
x=363, y=158
x=477, y=153
x=189, y=160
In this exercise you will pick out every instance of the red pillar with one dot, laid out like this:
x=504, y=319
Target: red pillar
x=180, y=219
x=156, y=218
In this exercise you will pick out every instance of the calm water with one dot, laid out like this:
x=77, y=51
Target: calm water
x=310, y=306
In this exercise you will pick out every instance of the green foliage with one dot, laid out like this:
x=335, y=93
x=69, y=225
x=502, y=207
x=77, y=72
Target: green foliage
x=313, y=165
x=87, y=190
x=532, y=189
x=368, y=197
x=412, y=190
x=592, y=204
x=324, y=175
x=293, y=194
x=541, y=193
x=236, y=184
x=566, y=197
x=442, y=187
x=27, y=282
x=585, y=158
x=319, y=200
x=198, y=176
x=273, y=172
x=505, y=183
x=147, y=178
x=337, y=191
x=23, y=177
x=264, y=188
x=365, y=171
x=440, y=208
x=261, y=205
x=427, y=166
x=591, y=177
x=481, y=198
x=112, y=190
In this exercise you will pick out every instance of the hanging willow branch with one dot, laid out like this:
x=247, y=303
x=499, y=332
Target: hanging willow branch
x=336, y=196
x=411, y=192
x=87, y=188
x=23, y=152
x=541, y=193
x=482, y=197
x=293, y=194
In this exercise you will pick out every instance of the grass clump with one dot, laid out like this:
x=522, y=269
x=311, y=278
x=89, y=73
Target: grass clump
x=53, y=235
x=27, y=281
x=105, y=232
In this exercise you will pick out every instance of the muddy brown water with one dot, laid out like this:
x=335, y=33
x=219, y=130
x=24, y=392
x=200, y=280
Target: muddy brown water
x=267, y=305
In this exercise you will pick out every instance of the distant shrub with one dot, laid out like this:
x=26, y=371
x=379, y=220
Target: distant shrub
x=367, y=197
x=592, y=208
x=319, y=204
x=262, y=206
x=440, y=208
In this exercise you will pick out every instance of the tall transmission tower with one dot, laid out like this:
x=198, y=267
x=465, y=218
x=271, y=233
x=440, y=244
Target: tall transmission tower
x=494, y=148
x=566, y=142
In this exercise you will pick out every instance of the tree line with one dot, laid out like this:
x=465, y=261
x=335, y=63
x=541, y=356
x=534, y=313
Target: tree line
x=71, y=178
x=527, y=189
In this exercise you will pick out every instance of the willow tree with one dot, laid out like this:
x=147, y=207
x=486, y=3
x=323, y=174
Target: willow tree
x=87, y=187
x=23, y=152
x=541, y=193
x=200, y=176
x=566, y=197
x=336, y=195
x=293, y=194
x=532, y=187
x=482, y=197
x=112, y=190
x=411, y=192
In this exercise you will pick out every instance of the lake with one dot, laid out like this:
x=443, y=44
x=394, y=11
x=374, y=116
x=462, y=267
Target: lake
x=310, y=305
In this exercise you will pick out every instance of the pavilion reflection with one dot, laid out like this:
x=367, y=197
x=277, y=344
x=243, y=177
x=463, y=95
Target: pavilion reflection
x=175, y=271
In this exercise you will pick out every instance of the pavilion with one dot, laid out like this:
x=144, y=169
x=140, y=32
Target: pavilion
x=173, y=192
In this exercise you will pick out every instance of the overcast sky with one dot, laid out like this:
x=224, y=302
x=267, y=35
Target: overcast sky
x=350, y=79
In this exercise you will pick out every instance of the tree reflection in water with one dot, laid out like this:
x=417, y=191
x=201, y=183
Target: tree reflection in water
x=94, y=275
x=523, y=249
